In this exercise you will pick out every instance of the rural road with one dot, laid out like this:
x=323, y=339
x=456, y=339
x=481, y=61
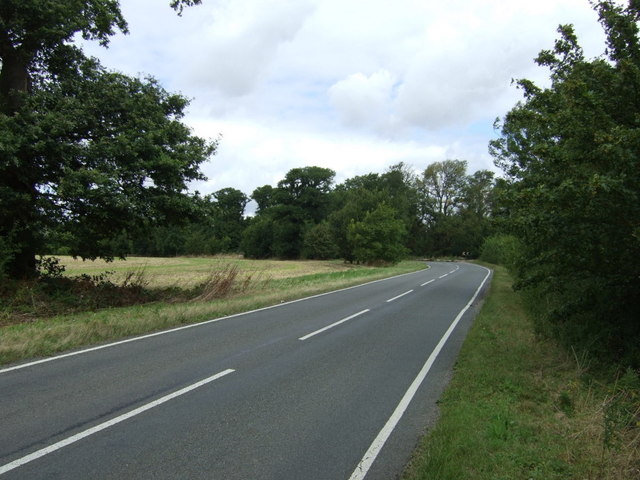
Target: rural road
x=337, y=386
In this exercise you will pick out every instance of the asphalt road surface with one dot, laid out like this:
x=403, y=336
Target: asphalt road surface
x=336, y=386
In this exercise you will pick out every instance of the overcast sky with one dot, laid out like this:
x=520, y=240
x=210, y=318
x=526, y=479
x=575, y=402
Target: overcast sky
x=352, y=85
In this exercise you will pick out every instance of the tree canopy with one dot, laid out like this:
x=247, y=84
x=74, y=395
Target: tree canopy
x=83, y=150
x=96, y=164
x=571, y=155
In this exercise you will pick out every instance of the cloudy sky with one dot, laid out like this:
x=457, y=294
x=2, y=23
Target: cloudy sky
x=352, y=85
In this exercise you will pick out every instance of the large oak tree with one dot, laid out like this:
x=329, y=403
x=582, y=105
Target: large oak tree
x=82, y=149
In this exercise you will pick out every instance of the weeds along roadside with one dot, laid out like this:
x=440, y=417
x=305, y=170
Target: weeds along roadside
x=225, y=291
x=520, y=406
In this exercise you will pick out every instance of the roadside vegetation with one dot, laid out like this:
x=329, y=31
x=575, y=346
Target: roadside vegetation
x=521, y=406
x=85, y=305
x=547, y=385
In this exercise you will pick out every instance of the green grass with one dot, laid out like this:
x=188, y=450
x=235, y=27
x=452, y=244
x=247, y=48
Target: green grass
x=40, y=337
x=519, y=407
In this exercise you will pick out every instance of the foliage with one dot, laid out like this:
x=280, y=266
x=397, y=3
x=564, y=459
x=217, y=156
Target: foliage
x=455, y=208
x=297, y=209
x=319, y=243
x=228, y=219
x=53, y=294
x=287, y=212
x=7, y=251
x=351, y=203
x=379, y=237
x=258, y=238
x=442, y=184
x=501, y=249
x=571, y=155
x=86, y=152
x=307, y=188
x=519, y=406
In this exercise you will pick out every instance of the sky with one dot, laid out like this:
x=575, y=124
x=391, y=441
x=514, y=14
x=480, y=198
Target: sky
x=352, y=85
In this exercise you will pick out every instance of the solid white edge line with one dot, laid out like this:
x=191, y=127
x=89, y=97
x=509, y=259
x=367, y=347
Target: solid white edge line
x=398, y=296
x=377, y=444
x=193, y=325
x=79, y=436
x=427, y=283
x=333, y=324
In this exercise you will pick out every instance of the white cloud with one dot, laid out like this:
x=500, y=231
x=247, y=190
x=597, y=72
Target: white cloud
x=252, y=155
x=353, y=85
x=364, y=101
x=238, y=40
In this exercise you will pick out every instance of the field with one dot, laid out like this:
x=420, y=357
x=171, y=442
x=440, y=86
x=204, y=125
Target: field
x=187, y=272
x=142, y=295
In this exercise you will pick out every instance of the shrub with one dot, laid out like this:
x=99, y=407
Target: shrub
x=501, y=249
x=378, y=238
x=319, y=244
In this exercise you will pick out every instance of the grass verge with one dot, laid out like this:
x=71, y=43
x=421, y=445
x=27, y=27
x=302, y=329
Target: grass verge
x=520, y=407
x=47, y=336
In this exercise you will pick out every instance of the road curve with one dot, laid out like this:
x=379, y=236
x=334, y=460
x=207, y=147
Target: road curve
x=336, y=386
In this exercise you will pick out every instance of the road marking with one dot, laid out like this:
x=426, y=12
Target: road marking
x=194, y=325
x=377, y=444
x=79, y=436
x=442, y=276
x=427, y=283
x=333, y=325
x=401, y=295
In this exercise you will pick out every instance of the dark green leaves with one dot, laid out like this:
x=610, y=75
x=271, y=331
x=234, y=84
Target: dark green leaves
x=93, y=155
x=572, y=155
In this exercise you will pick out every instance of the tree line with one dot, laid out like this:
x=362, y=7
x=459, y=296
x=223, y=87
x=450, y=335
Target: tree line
x=570, y=153
x=95, y=163
x=373, y=218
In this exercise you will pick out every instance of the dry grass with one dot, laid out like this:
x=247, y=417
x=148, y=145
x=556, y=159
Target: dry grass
x=231, y=287
x=187, y=272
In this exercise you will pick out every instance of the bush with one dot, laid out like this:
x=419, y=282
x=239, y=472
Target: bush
x=379, y=237
x=6, y=256
x=501, y=249
x=319, y=243
x=258, y=238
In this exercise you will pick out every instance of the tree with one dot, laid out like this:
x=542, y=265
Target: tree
x=441, y=186
x=477, y=193
x=319, y=243
x=86, y=151
x=257, y=238
x=264, y=197
x=455, y=208
x=379, y=237
x=571, y=155
x=300, y=201
x=229, y=221
x=351, y=201
x=308, y=189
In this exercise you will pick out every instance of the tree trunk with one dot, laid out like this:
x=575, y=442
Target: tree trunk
x=18, y=222
x=14, y=83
